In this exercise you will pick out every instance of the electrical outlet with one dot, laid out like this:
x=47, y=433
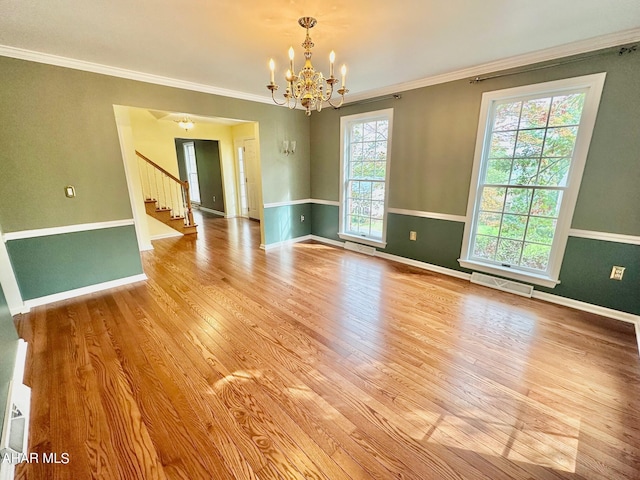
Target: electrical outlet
x=617, y=273
x=214, y=198
x=302, y=218
x=413, y=236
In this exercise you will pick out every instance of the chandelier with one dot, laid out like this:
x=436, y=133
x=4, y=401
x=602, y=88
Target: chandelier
x=185, y=123
x=308, y=87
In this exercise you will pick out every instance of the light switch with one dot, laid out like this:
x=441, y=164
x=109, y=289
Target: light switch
x=70, y=191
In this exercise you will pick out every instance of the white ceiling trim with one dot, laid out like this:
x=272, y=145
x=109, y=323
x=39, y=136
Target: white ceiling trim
x=67, y=62
x=575, y=48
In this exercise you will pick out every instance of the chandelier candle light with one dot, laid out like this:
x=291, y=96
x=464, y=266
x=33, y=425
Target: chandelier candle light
x=308, y=86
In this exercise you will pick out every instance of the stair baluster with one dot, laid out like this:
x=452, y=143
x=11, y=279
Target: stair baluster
x=172, y=209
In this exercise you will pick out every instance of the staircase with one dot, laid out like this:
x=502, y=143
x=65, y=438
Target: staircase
x=166, y=197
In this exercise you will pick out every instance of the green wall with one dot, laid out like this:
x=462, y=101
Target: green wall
x=284, y=222
x=434, y=136
x=57, y=263
x=8, y=348
x=585, y=274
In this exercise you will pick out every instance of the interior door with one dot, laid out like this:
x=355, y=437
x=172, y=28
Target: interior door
x=252, y=178
x=242, y=182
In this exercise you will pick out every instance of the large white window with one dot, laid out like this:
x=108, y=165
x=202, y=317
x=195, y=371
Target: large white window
x=365, y=141
x=530, y=154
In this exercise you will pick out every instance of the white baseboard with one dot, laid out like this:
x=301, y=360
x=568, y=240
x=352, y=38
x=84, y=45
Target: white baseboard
x=160, y=236
x=425, y=266
x=547, y=297
x=291, y=241
x=209, y=210
x=328, y=241
x=56, y=297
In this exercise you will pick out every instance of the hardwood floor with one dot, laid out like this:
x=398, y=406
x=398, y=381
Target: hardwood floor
x=316, y=362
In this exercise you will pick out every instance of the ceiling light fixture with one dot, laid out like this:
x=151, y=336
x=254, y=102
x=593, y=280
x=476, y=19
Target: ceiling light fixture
x=308, y=86
x=185, y=123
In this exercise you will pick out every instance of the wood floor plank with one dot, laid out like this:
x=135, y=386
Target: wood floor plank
x=309, y=361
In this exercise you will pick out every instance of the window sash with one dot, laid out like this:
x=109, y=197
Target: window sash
x=567, y=189
x=371, y=206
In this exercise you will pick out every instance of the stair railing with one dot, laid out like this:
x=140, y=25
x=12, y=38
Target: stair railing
x=166, y=189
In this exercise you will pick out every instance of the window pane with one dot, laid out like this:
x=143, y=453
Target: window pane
x=498, y=171
x=492, y=199
x=368, y=170
x=356, y=170
x=535, y=256
x=378, y=191
x=383, y=130
x=502, y=144
x=535, y=113
x=381, y=151
x=541, y=230
x=509, y=251
x=485, y=247
x=546, y=203
x=356, y=152
x=560, y=141
x=369, y=132
x=513, y=226
x=376, y=228
x=529, y=143
x=369, y=151
x=518, y=200
x=380, y=171
x=507, y=116
x=566, y=110
x=489, y=223
x=554, y=171
x=377, y=210
x=365, y=190
x=354, y=189
x=357, y=132
x=525, y=171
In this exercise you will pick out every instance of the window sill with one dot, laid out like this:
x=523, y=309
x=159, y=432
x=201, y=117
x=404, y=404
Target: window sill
x=363, y=240
x=541, y=280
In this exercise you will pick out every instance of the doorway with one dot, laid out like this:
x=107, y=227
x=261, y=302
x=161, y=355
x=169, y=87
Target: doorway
x=248, y=178
x=199, y=164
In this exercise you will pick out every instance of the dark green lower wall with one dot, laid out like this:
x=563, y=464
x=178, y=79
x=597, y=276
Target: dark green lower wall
x=585, y=269
x=585, y=274
x=283, y=223
x=58, y=263
x=8, y=347
x=324, y=221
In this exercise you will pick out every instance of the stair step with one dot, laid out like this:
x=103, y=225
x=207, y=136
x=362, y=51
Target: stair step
x=190, y=229
x=150, y=206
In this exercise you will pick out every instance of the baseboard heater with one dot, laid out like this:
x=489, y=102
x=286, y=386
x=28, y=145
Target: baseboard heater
x=356, y=247
x=510, y=286
x=14, y=438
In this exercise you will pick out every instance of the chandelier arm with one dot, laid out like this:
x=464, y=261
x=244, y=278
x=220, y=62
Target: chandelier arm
x=336, y=106
x=273, y=89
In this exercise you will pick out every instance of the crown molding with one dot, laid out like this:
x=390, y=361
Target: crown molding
x=567, y=50
x=67, y=62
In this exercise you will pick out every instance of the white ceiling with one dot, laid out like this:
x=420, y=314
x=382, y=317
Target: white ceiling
x=226, y=44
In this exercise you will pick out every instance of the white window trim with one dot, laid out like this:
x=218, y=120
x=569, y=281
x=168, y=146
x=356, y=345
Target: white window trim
x=593, y=85
x=344, y=123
